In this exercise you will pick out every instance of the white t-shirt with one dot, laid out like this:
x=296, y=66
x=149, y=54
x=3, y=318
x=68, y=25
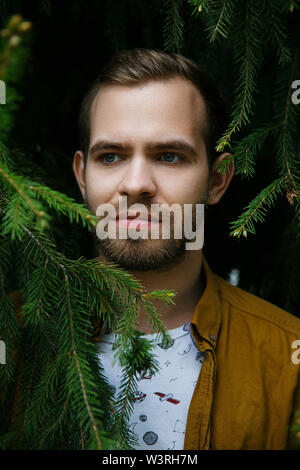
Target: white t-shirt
x=162, y=401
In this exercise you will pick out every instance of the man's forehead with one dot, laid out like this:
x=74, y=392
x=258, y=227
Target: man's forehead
x=176, y=101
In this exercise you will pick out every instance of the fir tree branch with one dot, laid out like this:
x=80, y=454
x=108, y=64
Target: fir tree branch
x=256, y=209
x=225, y=11
x=9, y=326
x=5, y=157
x=88, y=271
x=29, y=388
x=277, y=34
x=64, y=204
x=49, y=430
x=249, y=56
x=173, y=27
x=128, y=383
x=245, y=151
x=66, y=268
x=287, y=118
x=136, y=359
x=153, y=318
x=13, y=55
x=74, y=353
x=18, y=184
x=200, y=6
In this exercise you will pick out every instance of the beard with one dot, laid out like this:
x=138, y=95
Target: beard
x=147, y=254
x=142, y=255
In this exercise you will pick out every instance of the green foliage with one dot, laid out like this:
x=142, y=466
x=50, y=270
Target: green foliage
x=251, y=40
x=135, y=356
x=173, y=27
x=257, y=209
x=14, y=47
x=66, y=401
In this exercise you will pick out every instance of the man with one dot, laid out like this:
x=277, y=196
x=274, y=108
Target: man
x=149, y=127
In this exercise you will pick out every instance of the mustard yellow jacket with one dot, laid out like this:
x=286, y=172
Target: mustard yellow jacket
x=249, y=386
x=248, y=392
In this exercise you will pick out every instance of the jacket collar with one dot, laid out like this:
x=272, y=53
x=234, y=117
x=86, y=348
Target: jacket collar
x=206, y=318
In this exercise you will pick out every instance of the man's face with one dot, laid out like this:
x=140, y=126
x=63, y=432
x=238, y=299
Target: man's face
x=135, y=134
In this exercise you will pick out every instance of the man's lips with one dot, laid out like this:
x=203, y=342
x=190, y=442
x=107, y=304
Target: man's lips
x=140, y=217
x=136, y=221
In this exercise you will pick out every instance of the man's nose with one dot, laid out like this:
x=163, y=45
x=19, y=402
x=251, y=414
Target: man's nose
x=138, y=179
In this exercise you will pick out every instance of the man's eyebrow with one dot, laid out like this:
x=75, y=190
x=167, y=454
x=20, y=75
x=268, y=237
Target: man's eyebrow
x=105, y=145
x=174, y=144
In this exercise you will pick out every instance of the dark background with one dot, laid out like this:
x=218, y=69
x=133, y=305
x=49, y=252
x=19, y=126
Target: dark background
x=70, y=41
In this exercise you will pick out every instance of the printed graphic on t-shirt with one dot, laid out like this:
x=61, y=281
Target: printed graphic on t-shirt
x=161, y=403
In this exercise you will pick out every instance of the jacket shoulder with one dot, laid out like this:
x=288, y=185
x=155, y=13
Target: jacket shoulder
x=257, y=307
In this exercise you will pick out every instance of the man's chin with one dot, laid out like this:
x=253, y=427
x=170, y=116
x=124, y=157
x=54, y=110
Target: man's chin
x=142, y=255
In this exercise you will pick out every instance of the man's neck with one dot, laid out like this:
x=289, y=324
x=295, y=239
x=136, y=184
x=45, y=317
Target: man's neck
x=185, y=278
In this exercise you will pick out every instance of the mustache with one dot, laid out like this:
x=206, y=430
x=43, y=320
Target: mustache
x=147, y=203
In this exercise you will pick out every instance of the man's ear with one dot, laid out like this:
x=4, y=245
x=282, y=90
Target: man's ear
x=79, y=171
x=219, y=182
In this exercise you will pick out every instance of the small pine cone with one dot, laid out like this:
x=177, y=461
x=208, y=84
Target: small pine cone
x=291, y=194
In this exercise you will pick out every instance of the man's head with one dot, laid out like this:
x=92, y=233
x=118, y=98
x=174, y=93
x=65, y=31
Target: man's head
x=135, y=67
x=146, y=108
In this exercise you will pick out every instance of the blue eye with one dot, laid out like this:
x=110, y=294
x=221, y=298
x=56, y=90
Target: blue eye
x=169, y=157
x=109, y=157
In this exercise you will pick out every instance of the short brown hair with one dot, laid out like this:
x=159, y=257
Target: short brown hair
x=139, y=65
